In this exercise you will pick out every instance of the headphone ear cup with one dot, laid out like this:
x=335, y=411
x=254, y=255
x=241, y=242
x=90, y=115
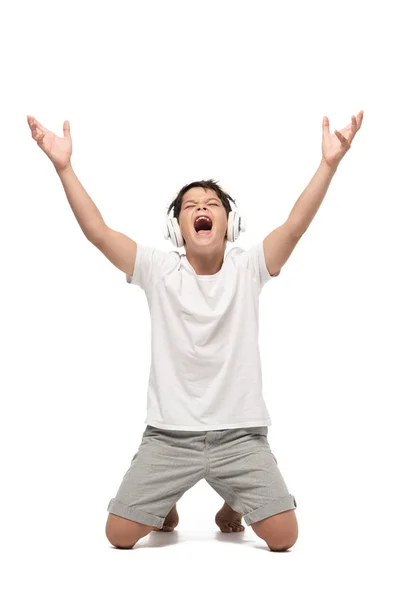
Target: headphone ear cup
x=177, y=239
x=171, y=233
x=230, y=230
x=236, y=225
x=233, y=226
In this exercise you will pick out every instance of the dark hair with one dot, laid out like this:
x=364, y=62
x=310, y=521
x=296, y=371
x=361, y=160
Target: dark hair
x=209, y=184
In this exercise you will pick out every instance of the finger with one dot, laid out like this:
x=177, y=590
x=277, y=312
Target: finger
x=325, y=126
x=38, y=137
x=66, y=129
x=353, y=129
x=357, y=120
x=342, y=139
x=354, y=120
x=42, y=127
x=36, y=128
x=37, y=134
x=32, y=122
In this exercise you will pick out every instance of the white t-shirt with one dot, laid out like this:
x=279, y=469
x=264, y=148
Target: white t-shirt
x=205, y=362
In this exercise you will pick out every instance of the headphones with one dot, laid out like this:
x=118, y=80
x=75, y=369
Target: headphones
x=236, y=224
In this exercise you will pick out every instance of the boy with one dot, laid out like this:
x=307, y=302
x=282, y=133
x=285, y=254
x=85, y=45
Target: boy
x=206, y=417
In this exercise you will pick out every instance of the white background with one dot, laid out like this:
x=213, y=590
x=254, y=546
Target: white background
x=159, y=94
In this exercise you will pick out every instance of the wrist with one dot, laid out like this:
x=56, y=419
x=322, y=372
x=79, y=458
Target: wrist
x=65, y=169
x=328, y=168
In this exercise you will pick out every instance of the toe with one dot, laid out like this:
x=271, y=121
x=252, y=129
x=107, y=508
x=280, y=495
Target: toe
x=224, y=526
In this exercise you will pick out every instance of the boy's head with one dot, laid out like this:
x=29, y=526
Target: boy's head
x=202, y=198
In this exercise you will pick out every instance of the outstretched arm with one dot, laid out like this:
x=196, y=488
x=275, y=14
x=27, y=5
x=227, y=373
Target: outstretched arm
x=280, y=243
x=117, y=247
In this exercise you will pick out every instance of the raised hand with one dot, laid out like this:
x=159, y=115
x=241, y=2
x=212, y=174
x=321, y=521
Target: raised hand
x=335, y=145
x=58, y=149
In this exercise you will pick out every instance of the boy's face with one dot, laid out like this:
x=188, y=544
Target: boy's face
x=196, y=202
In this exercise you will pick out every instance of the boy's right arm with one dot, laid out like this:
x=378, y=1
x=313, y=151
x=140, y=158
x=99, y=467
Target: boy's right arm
x=117, y=247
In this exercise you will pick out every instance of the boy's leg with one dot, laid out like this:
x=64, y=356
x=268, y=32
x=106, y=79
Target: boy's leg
x=229, y=520
x=124, y=533
x=244, y=471
x=171, y=520
x=166, y=465
x=280, y=531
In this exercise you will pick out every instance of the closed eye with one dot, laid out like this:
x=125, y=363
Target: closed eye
x=191, y=205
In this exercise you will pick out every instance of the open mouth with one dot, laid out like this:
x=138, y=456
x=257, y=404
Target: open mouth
x=203, y=225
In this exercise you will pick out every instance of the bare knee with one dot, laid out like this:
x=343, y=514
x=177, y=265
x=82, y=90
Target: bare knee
x=124, y=533
x=281, y=543
x=280, y=531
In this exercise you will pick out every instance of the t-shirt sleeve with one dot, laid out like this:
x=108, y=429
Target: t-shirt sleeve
x=254, y=259
x=150, y=264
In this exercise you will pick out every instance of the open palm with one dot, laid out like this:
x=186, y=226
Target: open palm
x=335, y=145
x=58, y=149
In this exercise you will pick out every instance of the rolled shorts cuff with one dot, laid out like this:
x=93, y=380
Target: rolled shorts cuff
x=134, y=514
x=272, y=508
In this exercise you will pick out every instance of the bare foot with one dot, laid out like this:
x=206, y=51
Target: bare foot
x=229, y=520
x=171, y=521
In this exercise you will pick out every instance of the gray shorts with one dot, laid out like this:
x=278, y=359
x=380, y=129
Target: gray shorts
x=237, y=463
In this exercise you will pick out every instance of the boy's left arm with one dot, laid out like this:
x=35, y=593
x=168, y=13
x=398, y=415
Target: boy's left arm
x=280, y=243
